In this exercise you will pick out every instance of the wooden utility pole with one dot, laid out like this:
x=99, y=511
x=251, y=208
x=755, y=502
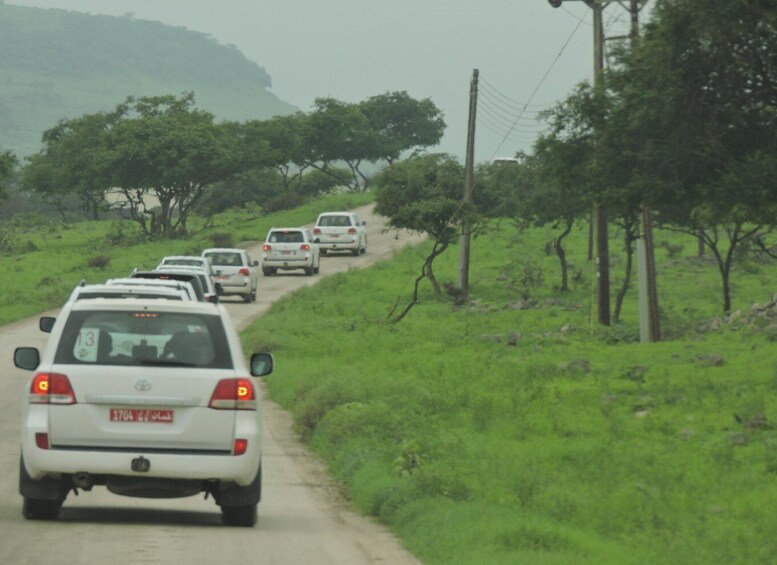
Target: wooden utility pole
x=469, y=185
x=602, y=244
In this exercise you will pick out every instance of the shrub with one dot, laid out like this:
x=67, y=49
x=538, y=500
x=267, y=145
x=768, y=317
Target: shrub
x=98, y=262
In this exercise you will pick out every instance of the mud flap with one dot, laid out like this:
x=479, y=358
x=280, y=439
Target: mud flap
x=232, y=494
x=45, y=489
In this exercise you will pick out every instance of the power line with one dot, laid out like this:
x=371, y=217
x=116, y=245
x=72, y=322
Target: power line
x=545, y=76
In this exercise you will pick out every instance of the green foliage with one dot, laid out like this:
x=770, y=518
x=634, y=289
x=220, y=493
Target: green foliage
x=560, y=445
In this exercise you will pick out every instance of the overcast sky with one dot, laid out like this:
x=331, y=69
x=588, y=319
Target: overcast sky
x=529, y=55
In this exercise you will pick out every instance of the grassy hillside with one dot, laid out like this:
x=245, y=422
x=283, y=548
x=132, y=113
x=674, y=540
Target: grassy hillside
x=61, y=64
x=510, y=430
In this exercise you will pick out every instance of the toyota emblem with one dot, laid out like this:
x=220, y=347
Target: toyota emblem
x=143, y=385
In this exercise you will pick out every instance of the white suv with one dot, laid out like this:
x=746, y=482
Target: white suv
x=148, y=398
x=341, y=231
x=235, y=271
x=288, y=249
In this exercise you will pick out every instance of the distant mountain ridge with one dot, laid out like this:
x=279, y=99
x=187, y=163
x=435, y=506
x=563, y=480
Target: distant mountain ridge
x=62, y=64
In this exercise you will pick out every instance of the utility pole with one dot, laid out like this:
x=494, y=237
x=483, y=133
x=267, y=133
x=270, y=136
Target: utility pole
x=469, y=185
x=649, y=323
x=599, y=216
x=602, y=243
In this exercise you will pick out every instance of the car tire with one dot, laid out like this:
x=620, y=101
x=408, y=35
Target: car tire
x=247, y=298
x=309, y=271
x=355, y=252
x=267, y=272
x=241, y=516
x=39, y=509
x=323, y=252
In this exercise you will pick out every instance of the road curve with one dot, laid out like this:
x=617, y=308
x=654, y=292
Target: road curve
x=301, y=517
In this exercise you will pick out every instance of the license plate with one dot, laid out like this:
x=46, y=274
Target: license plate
x=152, y=415
x=285, y=252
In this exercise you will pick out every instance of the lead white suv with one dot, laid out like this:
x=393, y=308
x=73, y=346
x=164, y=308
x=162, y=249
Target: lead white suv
x=341, y=231
x=147, y=398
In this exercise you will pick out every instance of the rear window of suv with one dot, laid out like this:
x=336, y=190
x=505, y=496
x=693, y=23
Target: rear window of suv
x=334, y=221
x=225, y=259
x=144, y=338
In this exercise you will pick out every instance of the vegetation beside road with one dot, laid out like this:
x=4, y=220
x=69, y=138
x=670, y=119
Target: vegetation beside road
x=51, y=258
x=511, y=430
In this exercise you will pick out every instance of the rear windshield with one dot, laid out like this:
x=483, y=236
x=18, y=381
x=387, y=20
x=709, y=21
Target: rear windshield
x=144, y=338
x=225, y=259
x=334, y=221
x=286, y=237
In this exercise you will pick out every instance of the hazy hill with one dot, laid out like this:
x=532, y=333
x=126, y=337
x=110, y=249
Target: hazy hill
x=60, y=64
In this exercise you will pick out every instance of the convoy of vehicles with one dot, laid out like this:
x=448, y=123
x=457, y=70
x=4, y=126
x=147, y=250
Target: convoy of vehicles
x=143, y=387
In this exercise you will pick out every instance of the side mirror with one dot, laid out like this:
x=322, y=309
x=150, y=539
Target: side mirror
x=317, y=240
x=26, y=358
x=261, y=364
x=46, y=323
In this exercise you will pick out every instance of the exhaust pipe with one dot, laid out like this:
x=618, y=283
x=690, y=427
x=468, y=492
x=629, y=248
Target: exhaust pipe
x=84, y=481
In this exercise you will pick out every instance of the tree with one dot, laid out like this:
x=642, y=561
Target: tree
x=338, y=131
x=8, y=163
x=424, y=194
x=73, y=162
x=703, y=86
x=279, y=142
x=403, y=124
x=164, y=154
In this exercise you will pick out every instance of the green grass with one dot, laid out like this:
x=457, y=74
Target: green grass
x=54, y=257
x=575, y=445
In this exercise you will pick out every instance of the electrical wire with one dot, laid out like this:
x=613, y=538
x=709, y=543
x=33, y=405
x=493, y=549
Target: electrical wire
x=545, y=76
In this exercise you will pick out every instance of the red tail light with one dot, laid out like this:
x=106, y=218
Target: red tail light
x=234, y=394
x=51, y=388
x=352, y=230
x=305, y=247
x=266, y=247
x=240, y=447
x=316, y=231
x=244, y=272
x=42, y=440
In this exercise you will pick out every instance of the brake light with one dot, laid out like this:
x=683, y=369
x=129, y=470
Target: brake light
x=266, y=247
x=351, y=230
x=240, y=447
x=305, y=247
x=316, y=231
x=233, y=394
x=51, y=388
x=244, y=272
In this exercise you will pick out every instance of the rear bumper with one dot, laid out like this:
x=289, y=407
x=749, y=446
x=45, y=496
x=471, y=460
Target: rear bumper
x=288, y=263
x=338, y=244
x=180, y=464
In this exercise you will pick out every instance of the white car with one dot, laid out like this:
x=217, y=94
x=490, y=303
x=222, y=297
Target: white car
x=211, y=289
x=288, y=249
x=94, y=291
x=178, y=286
x=341, y=231
x=147, y=398
x=186, y=261
x=235, y=271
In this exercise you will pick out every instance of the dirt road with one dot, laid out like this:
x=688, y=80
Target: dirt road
x=301, y=517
